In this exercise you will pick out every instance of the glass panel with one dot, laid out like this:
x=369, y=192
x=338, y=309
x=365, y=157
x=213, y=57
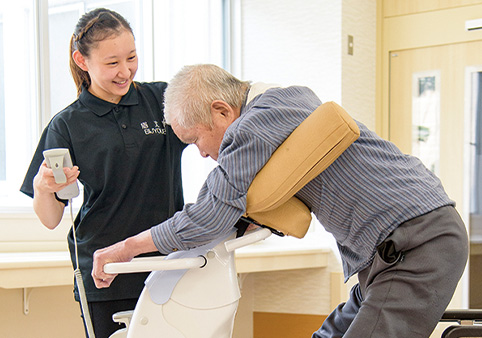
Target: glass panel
x=62, y=21
x=63, y=16
x=475, y=222
x=18, y=97
x=3, y=162
x=476, y=180
x=426, y=119
x=186, y=32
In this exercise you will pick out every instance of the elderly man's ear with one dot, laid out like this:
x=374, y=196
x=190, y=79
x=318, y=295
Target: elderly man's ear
x=223, y=114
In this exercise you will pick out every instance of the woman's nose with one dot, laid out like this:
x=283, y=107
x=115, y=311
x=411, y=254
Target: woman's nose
x=124, y=71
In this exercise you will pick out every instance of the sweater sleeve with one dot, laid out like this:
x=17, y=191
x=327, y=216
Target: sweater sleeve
x=221, y=200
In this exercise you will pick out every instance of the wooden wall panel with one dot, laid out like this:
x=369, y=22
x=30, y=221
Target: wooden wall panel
x=404, y=7
x=285, y=325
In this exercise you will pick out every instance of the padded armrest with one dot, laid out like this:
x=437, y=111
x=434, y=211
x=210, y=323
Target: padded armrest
x=311, y=148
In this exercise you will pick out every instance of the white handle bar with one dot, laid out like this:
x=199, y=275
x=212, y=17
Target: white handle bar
x=147, y=264
x=247, y=239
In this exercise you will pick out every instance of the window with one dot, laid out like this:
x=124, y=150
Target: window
x=62, y=18
x=3, y=165
x=19, y=113
x=35, y=81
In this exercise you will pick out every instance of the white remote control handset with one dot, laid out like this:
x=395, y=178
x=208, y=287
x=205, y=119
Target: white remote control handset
x=57, y=159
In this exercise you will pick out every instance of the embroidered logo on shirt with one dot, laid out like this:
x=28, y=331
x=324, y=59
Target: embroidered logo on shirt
x=155, y=130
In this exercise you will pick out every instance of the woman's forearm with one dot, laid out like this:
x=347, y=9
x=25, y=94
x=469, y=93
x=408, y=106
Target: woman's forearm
x=48, y=209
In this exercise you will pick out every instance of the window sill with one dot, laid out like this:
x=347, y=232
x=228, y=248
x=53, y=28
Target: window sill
x=54, y=268
x=35, y=269
x=283, y=253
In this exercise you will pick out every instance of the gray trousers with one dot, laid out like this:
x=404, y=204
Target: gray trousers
x=407, y=288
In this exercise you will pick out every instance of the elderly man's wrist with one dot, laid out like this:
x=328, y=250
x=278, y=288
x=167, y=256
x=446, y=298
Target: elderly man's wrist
x=139, y=244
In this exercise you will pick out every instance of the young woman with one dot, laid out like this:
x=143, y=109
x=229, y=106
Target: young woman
x=126, y=157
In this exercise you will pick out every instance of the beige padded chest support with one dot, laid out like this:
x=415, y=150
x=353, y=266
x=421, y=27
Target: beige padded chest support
x=311, y=148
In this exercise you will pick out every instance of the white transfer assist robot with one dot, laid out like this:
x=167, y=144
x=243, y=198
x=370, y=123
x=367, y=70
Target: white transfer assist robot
x=195, y=293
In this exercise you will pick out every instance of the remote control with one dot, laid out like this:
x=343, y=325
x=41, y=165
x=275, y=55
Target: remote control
x=57, y=159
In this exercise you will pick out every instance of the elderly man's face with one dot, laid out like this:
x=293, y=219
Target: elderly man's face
x=207, y=139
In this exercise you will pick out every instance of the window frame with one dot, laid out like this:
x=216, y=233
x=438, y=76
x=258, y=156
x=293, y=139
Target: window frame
x=15, y=220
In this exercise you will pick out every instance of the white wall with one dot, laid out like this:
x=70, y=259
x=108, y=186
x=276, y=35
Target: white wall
x=358, y=70
x=290, y=42
x=305, y=43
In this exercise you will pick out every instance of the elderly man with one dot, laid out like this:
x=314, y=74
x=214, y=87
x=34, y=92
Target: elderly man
x=393, y=222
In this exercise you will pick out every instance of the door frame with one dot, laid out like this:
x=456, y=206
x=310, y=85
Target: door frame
x=403, y=31
x=469, y=139
x=469, y=125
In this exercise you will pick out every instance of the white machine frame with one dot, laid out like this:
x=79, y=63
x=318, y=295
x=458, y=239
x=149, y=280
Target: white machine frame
x=202, y=304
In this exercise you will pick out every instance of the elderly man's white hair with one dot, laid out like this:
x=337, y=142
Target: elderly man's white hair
x=189, y=95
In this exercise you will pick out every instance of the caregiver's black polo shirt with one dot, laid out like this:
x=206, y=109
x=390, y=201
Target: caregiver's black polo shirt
x=130, y=166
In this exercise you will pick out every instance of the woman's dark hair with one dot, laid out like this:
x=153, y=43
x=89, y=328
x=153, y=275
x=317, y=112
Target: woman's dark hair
x=93, y=27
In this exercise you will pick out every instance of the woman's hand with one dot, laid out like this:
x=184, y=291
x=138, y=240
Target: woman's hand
x=44, y=181
x=48, y=209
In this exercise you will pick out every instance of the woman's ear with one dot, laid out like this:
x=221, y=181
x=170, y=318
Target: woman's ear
x=80, y=60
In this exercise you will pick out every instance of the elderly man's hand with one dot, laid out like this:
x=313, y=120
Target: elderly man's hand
x=112, y=254
x=120, y=252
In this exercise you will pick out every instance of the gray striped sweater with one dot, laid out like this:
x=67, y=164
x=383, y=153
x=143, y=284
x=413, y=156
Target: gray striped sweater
x=360, y=199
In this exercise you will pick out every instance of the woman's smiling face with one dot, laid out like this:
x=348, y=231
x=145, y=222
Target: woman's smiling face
x=112, y=65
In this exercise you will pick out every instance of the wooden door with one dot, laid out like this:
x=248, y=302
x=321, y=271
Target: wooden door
x=435, y=82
